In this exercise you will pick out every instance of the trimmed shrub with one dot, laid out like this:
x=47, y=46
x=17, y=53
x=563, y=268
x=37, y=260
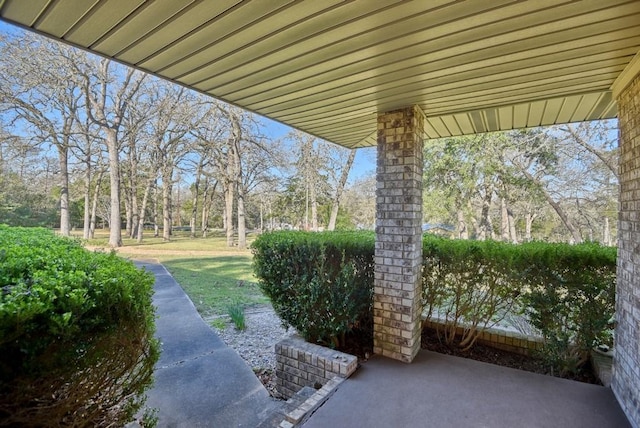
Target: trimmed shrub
x=76, y=333
x=319, y=283
x=570, y=299
x=469, y=284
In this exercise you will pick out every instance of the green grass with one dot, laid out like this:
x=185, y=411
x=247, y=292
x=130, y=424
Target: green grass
x=217, y=282
x=213, y=282
x=180, y=241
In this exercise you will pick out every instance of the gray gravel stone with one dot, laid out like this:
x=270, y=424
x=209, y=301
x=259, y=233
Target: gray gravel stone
x=255, y=344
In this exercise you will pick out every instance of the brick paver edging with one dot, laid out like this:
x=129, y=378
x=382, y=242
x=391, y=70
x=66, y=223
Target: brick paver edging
x=300, y=364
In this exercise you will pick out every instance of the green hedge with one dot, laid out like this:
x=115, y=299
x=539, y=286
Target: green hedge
x=570, y=297
x=319, y=283
x=567, y=292
x=76, y=333
x=470, y=284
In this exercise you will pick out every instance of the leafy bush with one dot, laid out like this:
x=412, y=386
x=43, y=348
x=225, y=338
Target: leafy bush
x=567, y=292
x=319, y=283
x=570, y=298
x=76, y=333
x=469, y=284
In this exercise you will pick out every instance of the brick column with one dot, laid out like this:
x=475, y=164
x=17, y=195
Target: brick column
x=398, y=255
x=626, y=363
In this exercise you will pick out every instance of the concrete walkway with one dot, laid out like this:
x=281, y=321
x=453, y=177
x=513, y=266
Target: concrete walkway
x=199, y=381
x=443, y=391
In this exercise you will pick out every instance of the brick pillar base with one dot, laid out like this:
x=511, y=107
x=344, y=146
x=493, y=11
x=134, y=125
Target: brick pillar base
x=398, y=253
x=626, y=364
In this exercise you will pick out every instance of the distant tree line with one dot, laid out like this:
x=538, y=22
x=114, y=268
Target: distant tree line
x=86, y=142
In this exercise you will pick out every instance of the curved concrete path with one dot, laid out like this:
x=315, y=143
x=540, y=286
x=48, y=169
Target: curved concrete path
x=199, y=381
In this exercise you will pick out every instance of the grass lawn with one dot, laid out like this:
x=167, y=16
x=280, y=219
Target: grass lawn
x=213, y=283
x=213, y=275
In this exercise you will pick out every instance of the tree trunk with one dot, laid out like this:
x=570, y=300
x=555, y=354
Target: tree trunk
x=143, y=209
x=115, y=232
x=575, y=234
x=314, y=207
x=204, y=221
x=228, y=211
x=65, y=221
x=87, y=198
x=528, y=224
x=463, y=232
x=504, y=221
x=128, y=213
x=133, y=191
x=94, y=205
x=486, y=228
x=512, y=225
x=606, y=234
x=194, y=200
x=156, y=229
x=166, y=204
x=242, y=232
x=335, y=205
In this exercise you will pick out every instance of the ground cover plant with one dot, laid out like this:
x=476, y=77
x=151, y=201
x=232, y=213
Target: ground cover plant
x=76, y=333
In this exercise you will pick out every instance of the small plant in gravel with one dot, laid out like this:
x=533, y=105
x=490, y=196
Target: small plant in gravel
x=236, y=313
x=219, y=323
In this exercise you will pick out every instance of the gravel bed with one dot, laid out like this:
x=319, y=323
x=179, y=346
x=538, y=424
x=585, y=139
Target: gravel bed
x=256, y=343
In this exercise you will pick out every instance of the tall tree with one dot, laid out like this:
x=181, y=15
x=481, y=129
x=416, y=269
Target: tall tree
x=38, y=92
x=337, y=195
x=109, y=91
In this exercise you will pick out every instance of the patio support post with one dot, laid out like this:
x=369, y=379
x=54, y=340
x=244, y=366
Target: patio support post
x=626, y=363
x=398, y=254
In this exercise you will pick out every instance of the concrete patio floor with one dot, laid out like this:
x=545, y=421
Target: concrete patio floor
x=443, y=391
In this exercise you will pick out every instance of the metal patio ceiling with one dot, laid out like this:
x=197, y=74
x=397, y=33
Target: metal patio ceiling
x=328, y=66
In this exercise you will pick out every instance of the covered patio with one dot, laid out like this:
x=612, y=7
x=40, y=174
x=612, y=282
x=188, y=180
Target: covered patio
x=396, y=74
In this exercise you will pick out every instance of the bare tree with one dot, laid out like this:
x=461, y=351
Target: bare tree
x=38, y=92
x=109, y=91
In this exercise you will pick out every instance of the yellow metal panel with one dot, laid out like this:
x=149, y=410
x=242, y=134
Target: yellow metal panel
x=521, y=115
x=149, y=18
x=430, y=130
x=59, y=20
x=218, y=38
x=20, y=12
x=464, y=123
x=101, y=19
x=173, y=30
x=568, y=108
x=505, y=116
x=451, y=124
x=552, y=110
x=586, y=106
x=536, y=111
x=329, y=67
